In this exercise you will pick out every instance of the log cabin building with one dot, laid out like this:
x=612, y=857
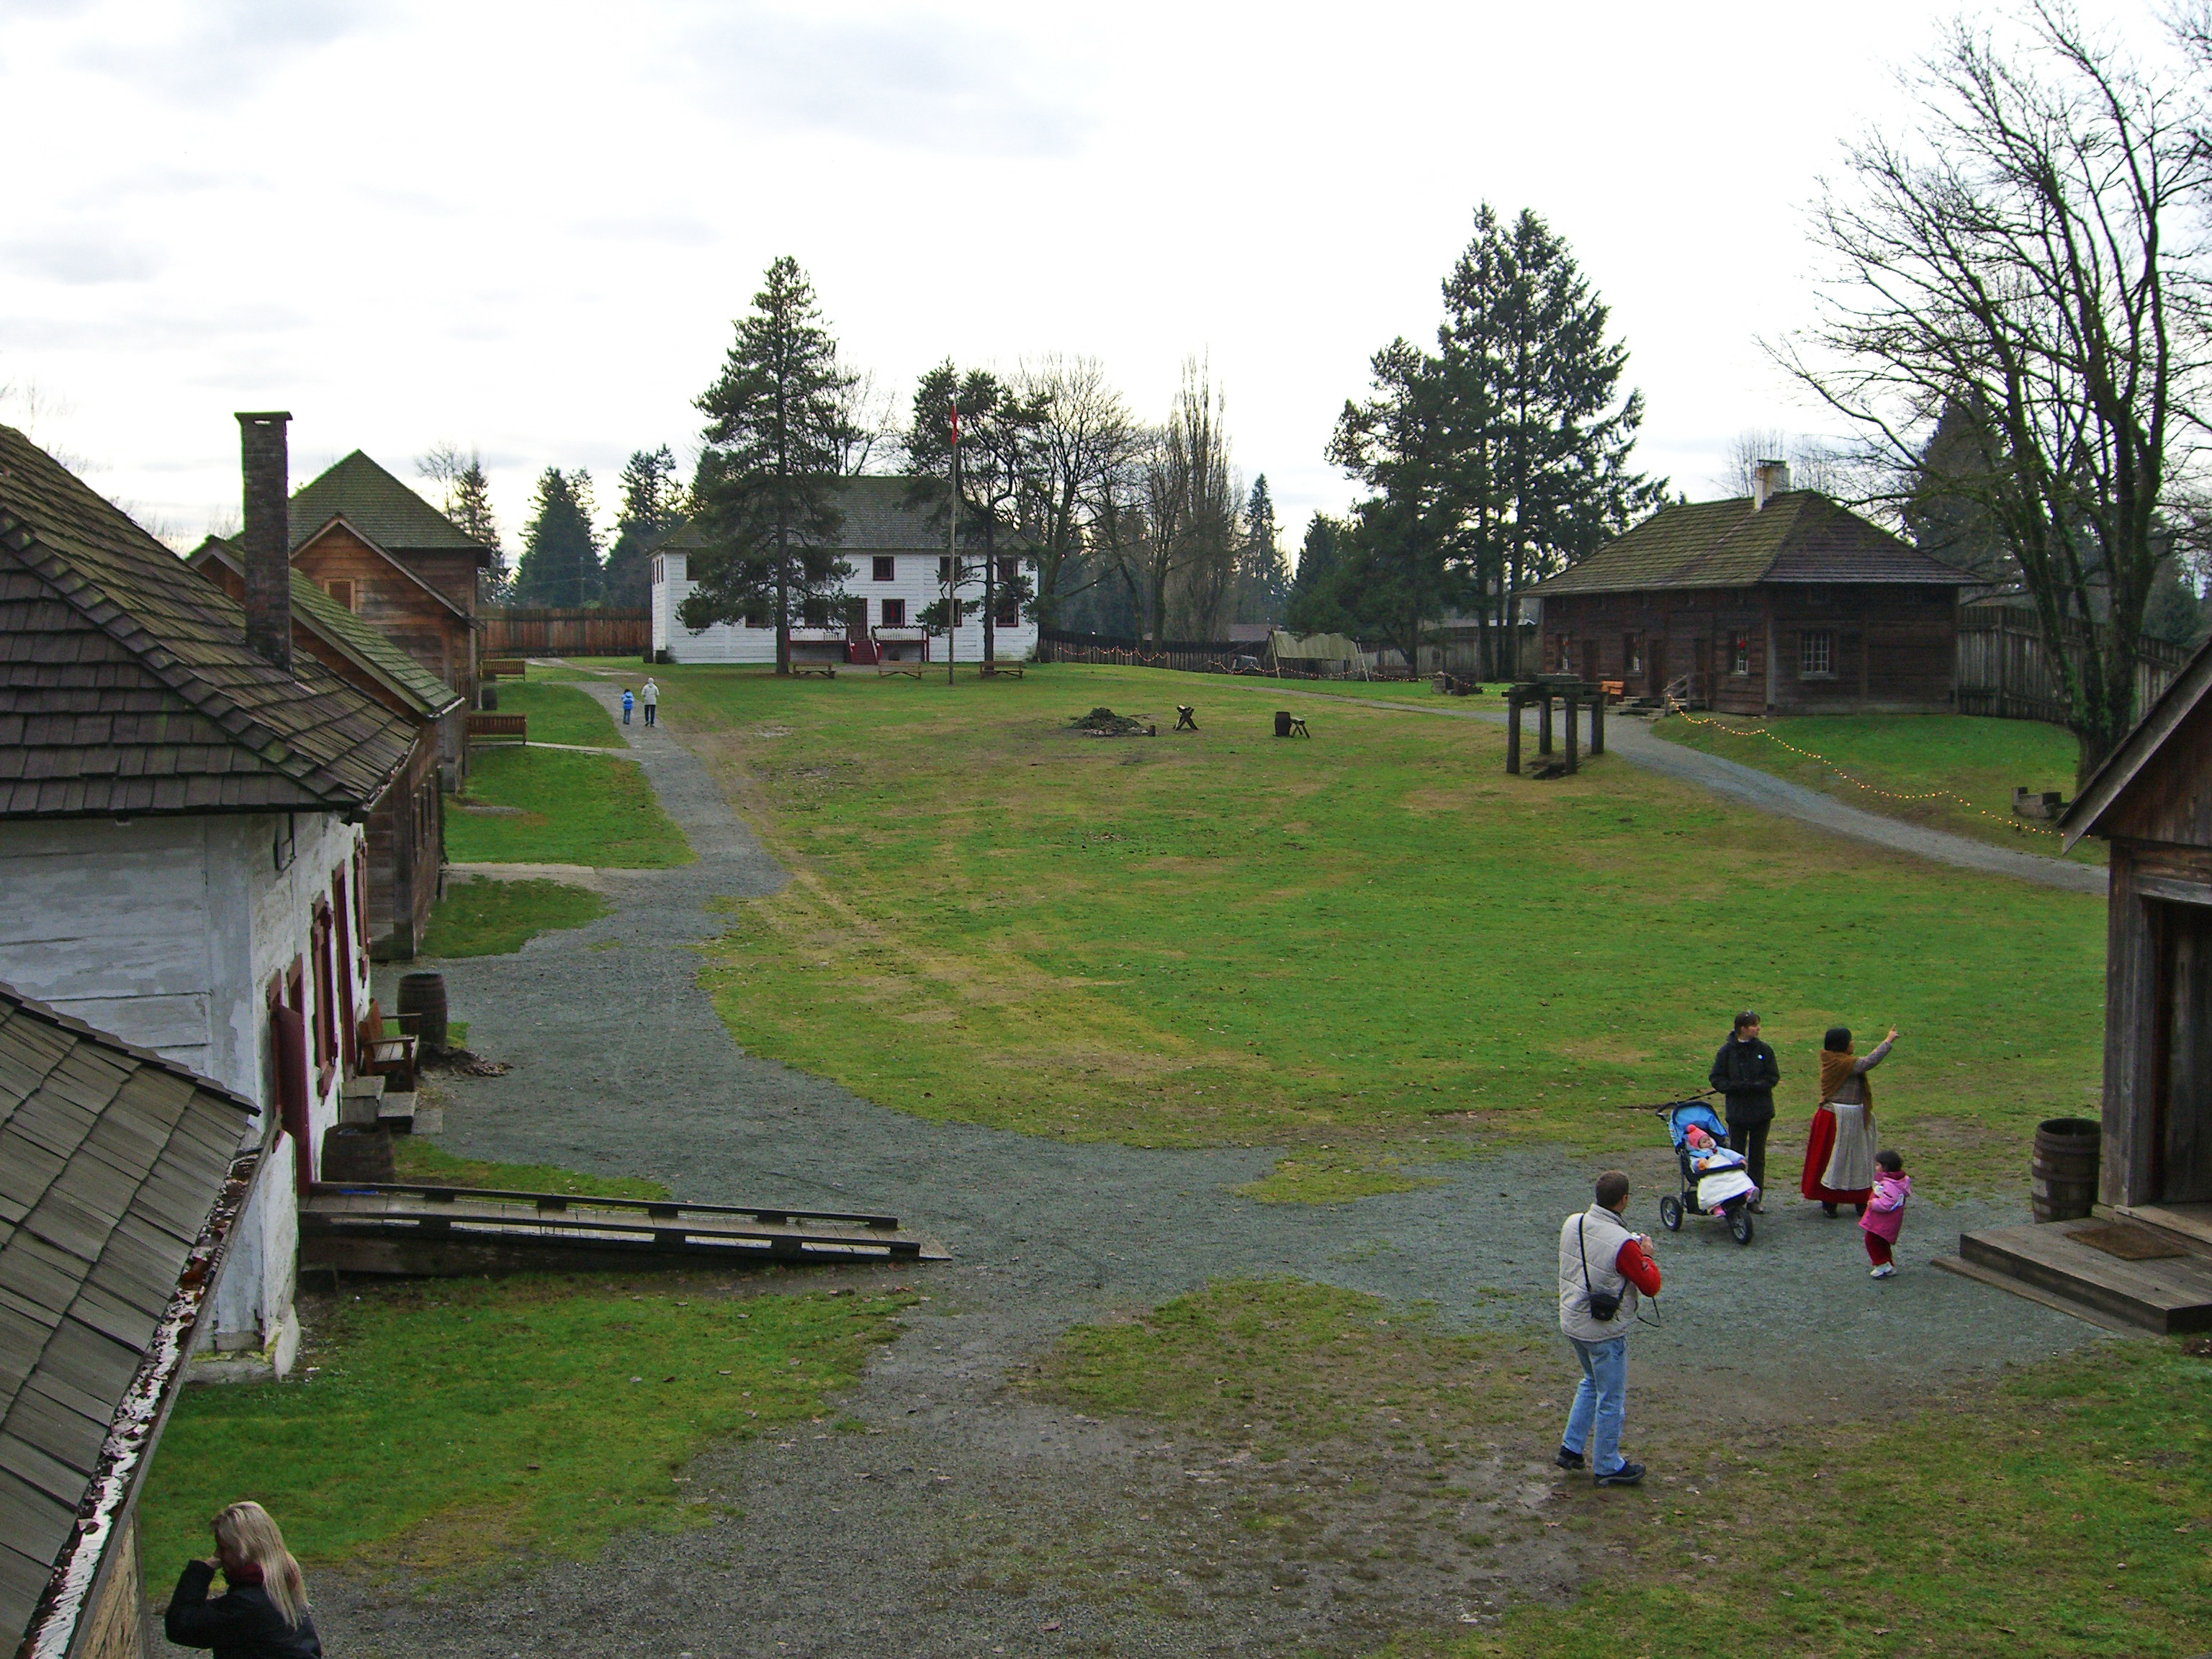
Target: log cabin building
x=405, y=568
x=1780, y=603
x=407, y=828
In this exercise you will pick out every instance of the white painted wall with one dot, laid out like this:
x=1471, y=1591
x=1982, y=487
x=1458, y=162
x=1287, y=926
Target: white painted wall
x=164, y=931
x=914, y=581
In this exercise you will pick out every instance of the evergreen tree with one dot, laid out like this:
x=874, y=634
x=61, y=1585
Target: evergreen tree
x=1947, y=512
x=652, y=504
x=1533, y=431
x=1313, y=606
x=2173, y=611
x=560, y=564
x=468, y=504
x=778, y=429
x=1263, y=576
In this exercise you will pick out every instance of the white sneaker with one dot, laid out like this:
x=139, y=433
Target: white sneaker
x=1887, y=1270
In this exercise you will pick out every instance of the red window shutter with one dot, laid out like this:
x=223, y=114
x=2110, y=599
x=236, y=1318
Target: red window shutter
x=287, y=1030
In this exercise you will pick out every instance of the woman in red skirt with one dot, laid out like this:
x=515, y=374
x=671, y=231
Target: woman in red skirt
x=1839, y=1151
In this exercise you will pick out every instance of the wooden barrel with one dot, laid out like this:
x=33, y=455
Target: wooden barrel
x=1282, y=722
x=357, y=1152
x=2063, y=1179
x=425, y=994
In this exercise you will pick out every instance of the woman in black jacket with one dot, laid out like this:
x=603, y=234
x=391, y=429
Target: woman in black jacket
x=264, y=1614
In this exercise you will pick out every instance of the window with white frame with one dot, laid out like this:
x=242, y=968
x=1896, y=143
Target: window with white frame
x=1816, y=655
x=1740, y=653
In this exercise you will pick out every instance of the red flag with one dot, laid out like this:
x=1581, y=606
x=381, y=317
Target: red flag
x=955, y=427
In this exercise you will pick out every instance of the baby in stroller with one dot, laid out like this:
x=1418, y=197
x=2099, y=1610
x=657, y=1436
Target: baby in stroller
x=1714, y=1179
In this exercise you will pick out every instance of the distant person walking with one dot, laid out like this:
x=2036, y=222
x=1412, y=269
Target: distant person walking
x=651, y=699
x=1885, y=1213
x=628, y=701
x=1746, y=1071
x=1602, y=1268
x=1839, y=1151
x=263, y=1613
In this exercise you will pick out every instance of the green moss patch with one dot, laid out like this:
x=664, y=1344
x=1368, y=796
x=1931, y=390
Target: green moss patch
x=497, y=918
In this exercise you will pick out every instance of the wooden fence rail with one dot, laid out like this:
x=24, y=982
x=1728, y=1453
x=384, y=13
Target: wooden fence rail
x=521, y=631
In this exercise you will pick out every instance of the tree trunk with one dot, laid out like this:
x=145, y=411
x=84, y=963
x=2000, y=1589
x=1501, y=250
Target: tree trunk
x=990, y=590
x=782, y=603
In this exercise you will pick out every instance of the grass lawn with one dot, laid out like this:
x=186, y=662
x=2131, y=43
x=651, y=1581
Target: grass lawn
x=420, y=1161
x=497, y=918
x=575, y=809
x=1219, y=937
x=559, y=714
x=2064, y=1511
x=456, y=1425
x=1954, y=772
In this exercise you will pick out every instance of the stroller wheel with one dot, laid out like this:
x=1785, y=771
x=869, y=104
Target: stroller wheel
x=1740, y=1225
x=1670, y=1213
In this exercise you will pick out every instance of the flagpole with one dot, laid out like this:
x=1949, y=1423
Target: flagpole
x=952, y=558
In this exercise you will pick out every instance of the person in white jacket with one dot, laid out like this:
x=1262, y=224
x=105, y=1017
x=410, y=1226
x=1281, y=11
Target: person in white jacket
x=651, y=698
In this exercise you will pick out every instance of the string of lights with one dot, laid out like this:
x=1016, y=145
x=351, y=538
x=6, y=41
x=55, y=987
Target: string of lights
x=2014, y=824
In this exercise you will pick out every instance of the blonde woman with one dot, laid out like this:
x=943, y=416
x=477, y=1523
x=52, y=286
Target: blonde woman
x=264, y=1615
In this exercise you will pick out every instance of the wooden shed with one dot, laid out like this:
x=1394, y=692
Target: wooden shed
x=122, y=1179
x=2143, y=1257
x=2151, y=801
x=1780, y=603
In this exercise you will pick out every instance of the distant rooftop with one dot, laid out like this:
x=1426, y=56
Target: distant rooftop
x=382, y=508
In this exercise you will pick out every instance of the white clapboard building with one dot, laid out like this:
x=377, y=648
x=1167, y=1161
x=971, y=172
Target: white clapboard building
x=897, y=554
x=182, y=857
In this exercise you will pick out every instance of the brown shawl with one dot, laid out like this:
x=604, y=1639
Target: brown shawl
x=1836, y=1071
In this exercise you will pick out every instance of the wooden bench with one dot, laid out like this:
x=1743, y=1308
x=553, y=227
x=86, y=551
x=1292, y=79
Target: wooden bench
x=993, y=669
x=1297, y=727
x=503, y=668
x=516, y=726
x=391, y=1056
x=827, y=670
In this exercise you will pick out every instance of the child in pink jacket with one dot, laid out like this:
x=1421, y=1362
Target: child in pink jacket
x=1885, y=1211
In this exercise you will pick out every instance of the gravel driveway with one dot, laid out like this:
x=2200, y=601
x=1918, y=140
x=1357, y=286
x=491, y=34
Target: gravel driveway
x=881, y=1544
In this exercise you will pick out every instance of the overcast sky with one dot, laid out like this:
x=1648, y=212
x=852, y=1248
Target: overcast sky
x=528, y=227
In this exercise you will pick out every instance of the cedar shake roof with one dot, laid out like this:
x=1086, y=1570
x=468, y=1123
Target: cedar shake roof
x=370, y=647
x=1799, y=536
x=877, y=519
x=126, y=685
x=119, y=1175
x=381, y=508
x=2181, y=698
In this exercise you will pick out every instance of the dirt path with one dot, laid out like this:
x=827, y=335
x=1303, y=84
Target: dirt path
x=1634, y=741
x=970, y=1518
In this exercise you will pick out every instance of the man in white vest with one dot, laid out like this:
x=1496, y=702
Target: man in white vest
x=1603, y=1267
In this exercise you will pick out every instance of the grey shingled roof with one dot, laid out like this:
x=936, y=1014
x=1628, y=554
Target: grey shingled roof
x=126, y=685
x=382, y=508
x=1799, y=536
x=112, y=1161
x=368, y=646
x=877, y=519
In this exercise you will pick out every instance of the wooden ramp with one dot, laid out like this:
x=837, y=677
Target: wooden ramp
x=2160, y=1280
x=448, y=1231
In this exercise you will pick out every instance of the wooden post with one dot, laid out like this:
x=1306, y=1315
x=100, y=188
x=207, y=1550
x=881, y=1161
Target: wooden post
x=1513, y=705
x=1597, y=724
x=1544, y=723
x=1572, y=731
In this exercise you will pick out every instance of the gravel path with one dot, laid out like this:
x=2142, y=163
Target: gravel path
x=1636, y=743
x=621, y=1067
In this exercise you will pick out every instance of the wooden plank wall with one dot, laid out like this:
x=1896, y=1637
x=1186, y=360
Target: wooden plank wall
x=516, y=631
x=2004, y=669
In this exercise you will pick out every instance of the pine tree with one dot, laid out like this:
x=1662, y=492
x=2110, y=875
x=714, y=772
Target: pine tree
x=1263, y=576
x=1947, y=513
x=778, y=424
x=468, y=504
x=652, y=503
x=1313, y=606
x=560, y=563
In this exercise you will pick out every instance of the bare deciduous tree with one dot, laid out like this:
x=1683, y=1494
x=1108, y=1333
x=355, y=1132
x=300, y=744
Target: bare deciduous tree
x=1083, y=439
x=2024, y=256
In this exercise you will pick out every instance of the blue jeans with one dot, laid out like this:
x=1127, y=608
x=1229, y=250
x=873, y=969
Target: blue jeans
x=625, y=713
x=1602, y=1395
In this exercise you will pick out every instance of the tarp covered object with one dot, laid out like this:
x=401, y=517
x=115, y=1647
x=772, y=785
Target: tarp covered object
x=1319, y=647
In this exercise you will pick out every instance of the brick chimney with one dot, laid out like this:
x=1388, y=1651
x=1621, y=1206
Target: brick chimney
x=1768, y=478
x=267, y=539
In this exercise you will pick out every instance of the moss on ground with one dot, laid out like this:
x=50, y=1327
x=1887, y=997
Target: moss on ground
x=497, y=918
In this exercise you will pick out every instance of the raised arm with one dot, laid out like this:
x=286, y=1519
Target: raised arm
x=193, y=1621
x=1874, y=1056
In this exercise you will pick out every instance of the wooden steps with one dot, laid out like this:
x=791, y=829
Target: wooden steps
x=446, y=1230
x=2043, y=1261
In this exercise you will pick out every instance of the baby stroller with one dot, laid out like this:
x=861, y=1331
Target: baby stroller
x=1724, y=1187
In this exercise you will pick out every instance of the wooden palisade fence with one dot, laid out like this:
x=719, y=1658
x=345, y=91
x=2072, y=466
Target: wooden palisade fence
x=523, y=631
x=2004, y=670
